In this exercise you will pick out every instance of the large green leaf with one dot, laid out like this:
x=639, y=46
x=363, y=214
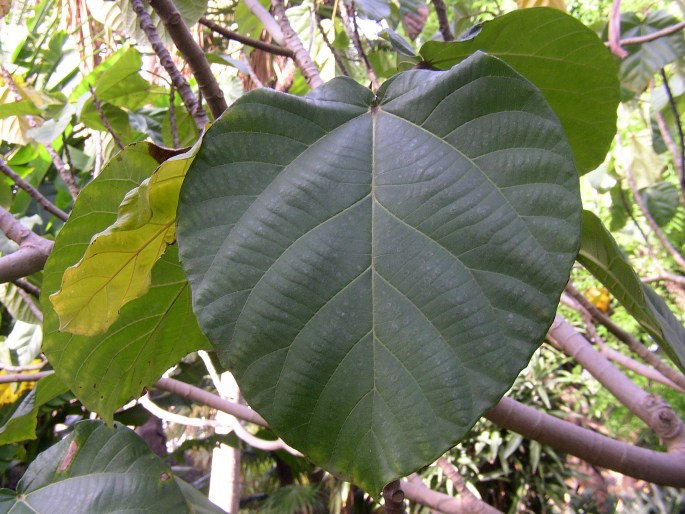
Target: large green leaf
x=117, y=265
x=152, y=333
x=646, y=59
x=20, y=425
x=98, y=469
x=602, y=257
x=377, y=270
x=562, y=57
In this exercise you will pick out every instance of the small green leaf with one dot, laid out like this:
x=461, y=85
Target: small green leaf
x=401, y=45
x=117, y=265
x=646, y=59
x=377, y=269
x=96, y=469
x=21, y=425
x=602, y=257
x=224, y=59
x=152, y=333
x=562, y=57
x=18, y=109
x=662, y=201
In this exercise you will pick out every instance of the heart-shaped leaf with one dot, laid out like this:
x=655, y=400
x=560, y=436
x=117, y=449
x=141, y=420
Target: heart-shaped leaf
x=561, y=56
x=376, y=270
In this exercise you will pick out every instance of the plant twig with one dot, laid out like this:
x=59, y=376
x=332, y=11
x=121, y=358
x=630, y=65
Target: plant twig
x=415, y=490
x=654, y=35
x=334, y=52
x=641, y=463
x=146, y=402
x=32, y=254
x=291, y=40
x=393, y=497
x=32, y=191
x=28, y=300
x=254, y=43
x=443, y=22
x=615, y=30
x=189, y=100
x=57, y=161
x=19, y=369
x=270, y=24
x=11, y=378
x=627, y=338
x=657, y=414
x=194, y=55
x=173, y=127
x=27, y=286
x=103, y=118
x=680, y=161
x=350, y=23
x=253, y=76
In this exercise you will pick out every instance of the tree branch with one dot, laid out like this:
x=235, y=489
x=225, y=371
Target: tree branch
x=654, y=35
x=415, y=490
x=194, y=55
x=12, y=378
x=32, y=191
x=615, y=30
x=474, y=503
x=27, y=286
x=651, y=466
x=334, y=52
x=393, y=497
x=103, y=118
x=350, y=22
x=657, y=414
x=301, y=56
x=254, y=43
x=444, y=24
x=189, y=100
x=32, y=254
x=270, y=24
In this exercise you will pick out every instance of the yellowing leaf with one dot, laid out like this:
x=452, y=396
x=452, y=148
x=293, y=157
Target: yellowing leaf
x=599, y=297
x=116, y=267
x=556, y=4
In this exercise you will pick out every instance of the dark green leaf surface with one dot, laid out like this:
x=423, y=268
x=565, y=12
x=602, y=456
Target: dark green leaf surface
x=602, y=257
x=96, y=470
x=562, y=57
x=645, y=60
x=662, y=201
x=377, y=270
x=152, y=332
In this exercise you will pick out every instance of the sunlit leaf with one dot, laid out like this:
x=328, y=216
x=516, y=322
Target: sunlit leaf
x=562, y=57
x=117, y=265
x=152, y=333
x=376, y=270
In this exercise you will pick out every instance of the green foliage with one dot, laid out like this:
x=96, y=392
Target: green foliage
x=304, y=249
x=152, y=333
x=581, y=86
x=602, y=257
x=99, y=469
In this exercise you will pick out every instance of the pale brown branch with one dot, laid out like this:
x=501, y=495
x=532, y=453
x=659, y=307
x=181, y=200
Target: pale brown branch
x=649, y=465
x=32, y=254
x=11, y=378
x=338, y=60
x=194, y=55
x=32, y=191
x=103, y=118
x=28, y=300
x=615, y=30
x=254, y=43
x=416, y=491
x=270, y=24
x=171, y=417
x=27, y=286
x=654, y=35
x=657, y=414
x=680, y=159
x=194, y=108
x=302, y=58
x=18, y=369
x=625, y=337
